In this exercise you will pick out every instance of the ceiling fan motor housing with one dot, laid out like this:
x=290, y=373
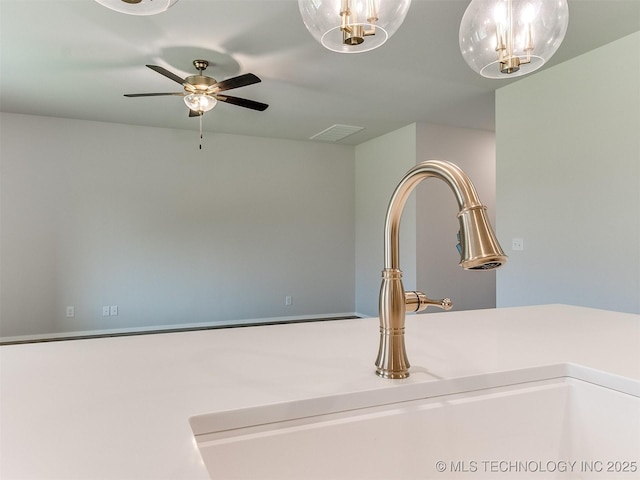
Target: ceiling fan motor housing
x=199, y=84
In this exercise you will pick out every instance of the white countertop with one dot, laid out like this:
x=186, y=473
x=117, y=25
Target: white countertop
x=118, y=408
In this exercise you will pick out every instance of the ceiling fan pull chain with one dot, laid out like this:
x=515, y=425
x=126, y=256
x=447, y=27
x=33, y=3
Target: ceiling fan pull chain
x=200, y=130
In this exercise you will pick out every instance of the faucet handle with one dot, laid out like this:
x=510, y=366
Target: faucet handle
x=417, y=302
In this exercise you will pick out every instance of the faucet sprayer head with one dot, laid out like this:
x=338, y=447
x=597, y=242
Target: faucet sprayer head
x=480, y=249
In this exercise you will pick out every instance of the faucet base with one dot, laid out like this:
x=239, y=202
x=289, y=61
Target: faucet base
x=392, y=361
x=391, y=375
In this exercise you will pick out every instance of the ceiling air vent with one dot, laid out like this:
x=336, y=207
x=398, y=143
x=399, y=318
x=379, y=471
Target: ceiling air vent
x=335, y=133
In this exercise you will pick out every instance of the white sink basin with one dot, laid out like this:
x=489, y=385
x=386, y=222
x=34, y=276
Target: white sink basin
x=561, y=421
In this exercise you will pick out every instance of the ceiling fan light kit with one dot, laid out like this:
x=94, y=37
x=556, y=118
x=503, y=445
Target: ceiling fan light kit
x=353, y=26
x=510, y=38
x=200, y=102
x=138, y=7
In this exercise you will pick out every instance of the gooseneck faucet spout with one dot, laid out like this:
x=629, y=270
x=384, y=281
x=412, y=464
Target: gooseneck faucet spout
x=479, y=250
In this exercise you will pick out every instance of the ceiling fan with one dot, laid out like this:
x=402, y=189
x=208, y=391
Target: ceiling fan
x=201, y=92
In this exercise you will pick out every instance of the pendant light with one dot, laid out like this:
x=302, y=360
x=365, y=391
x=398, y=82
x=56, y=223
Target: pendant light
x=510, y=38
x=353, y=26
x=138, y=7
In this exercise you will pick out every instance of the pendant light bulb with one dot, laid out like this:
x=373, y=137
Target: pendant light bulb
x=510, y=38
x=353, y=26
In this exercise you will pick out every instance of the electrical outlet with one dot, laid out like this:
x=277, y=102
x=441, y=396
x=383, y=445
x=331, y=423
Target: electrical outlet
x=287, y=300
x=105, y=311
x=71, y=311
x=113, y=310
x=517, y=244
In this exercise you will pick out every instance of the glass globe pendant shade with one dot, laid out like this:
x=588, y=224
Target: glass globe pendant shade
x=353, y=26
x=138, y=7
x=510, y=38
x=200, y=102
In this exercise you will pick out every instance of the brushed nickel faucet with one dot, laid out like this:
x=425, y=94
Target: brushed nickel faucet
x=479, y=250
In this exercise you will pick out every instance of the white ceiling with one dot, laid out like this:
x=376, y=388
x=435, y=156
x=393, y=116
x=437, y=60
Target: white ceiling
x=76, y=59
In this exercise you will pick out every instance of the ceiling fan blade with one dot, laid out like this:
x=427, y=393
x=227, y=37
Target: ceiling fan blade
x=236, y=82
x=166, y=73
x=152, y=94
x=243, y=102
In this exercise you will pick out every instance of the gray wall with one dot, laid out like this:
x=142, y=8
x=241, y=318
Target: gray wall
x=568, y=176
x=100, y=214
